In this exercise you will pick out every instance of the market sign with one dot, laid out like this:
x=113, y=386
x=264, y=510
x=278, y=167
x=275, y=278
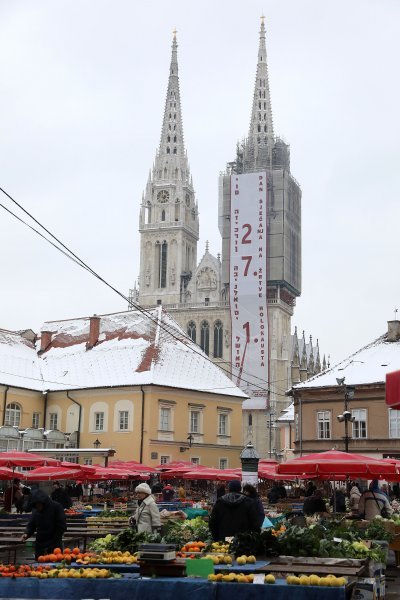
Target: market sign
x=248, y=281
x=393, y=389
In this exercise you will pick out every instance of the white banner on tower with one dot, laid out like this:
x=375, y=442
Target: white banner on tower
x=248, y=282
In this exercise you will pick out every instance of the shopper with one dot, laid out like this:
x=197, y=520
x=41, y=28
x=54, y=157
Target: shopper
x=233, y=513
x=310, y=489
x=23, y=504
x=168, y=493
x=274, y=494
x=314, y=504
x=373, y=502
x=12, y=494
x=221, y=491
x=250, y=491
x=147, y=516
x=48, y=521
x=338, y=500
x=354, y=498
x=60, y=495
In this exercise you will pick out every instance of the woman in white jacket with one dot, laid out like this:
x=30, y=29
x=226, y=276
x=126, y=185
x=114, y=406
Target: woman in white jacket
x=147, y=515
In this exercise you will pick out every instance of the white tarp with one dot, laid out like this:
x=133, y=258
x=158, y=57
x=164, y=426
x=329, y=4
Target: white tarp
x=248, y=281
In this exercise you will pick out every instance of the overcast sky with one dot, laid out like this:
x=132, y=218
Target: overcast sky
x=82, y=90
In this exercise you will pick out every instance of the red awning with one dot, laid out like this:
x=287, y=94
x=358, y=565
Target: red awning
x=25, y=459
x=335, y=462
x=393, y=389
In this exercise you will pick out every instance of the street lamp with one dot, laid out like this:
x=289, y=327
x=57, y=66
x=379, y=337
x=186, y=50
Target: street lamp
x=190, y=440
x=271, y=425
x=97, y=443
x=346, y=416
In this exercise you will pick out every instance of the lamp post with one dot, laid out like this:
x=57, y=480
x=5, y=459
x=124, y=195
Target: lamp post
x=97, y=443
x=249, y=459
x=271, y=425
x=346, y=416
x=190, y=440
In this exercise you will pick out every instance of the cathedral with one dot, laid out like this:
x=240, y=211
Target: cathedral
x=197, y=293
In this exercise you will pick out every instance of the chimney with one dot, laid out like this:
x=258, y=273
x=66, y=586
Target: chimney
x=393, y=334
x=94, y=332
x=45, y=341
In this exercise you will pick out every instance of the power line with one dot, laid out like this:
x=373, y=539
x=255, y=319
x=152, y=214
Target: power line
x=77, y=260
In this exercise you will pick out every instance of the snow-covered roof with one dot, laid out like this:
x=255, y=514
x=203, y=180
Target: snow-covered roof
x=287, y=414
x=131, y=350
x=366, y=366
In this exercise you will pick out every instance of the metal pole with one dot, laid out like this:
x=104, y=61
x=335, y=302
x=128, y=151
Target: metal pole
x=346, y=424
x=270, y=433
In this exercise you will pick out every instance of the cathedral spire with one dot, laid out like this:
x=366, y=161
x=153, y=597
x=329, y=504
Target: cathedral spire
x=171, y=142
x=261, y=129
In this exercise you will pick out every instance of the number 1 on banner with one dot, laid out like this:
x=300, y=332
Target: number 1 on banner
x=247, y=265
x=246, y=327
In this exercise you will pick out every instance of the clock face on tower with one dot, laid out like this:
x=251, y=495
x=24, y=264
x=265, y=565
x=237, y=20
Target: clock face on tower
x=163, y=196
x=187, y=200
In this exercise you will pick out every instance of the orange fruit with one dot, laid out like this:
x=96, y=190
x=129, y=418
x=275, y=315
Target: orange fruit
x=41, y=559
x=57, y=551
x=76, y=551
x=67, y=550
x=52, y=558
x=58, y=556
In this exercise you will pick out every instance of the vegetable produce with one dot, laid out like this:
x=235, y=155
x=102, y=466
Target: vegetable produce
x=255, y=543
x=179, y=532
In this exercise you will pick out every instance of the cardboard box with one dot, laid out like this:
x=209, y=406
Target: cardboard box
x=365, y=589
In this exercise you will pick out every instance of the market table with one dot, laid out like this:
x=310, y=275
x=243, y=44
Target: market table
x=166, y=588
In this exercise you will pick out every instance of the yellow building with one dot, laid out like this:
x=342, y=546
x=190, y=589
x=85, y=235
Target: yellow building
x=133, y=383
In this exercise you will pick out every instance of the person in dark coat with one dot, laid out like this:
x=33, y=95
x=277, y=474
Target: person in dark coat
x=12, y=495
x=314, y=504
x=274, y=494
x=48, y=521
x=60, y=495
x=24, y=503
x=168, y=493
x=250, y=491
x=221, y=491
x=338, y=500
x=311, y=487
x=233, y=513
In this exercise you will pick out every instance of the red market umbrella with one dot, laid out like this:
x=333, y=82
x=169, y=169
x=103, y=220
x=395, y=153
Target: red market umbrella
x=212, y=475
x=25, y=459
x=175, y=464
x=51, y=474
x=78, y=467
x=132, y=465
x=178, y=472
x=335, y=462
x=7, y=474
x=105, y=473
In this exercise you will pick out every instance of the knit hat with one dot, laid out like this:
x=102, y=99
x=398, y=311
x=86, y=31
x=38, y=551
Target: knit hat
x=143, y=488
x=235, y=486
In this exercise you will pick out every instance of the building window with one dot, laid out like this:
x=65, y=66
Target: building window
x=99, y=421
x=360, y=423
x=13, y=415
x=195, y=460
x=394, y=423
x=35, y=420
x=87, y=461
x=218, y=331
x=164, y=460
x=163, y=215
x=205, y=337
x=162, y=264
x=324, y=424
x=250, y=420
x=194, y=421
x=207, y=301
x=296, y=427
x=223, y=424
x=223, y=463
x=191, y=330
x=165, y=419
x=123, y=420
x=53, y=417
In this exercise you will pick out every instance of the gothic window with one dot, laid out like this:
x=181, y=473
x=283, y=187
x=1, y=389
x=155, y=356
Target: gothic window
x=174, y=150
x=162, y=250
x=174, y=127
x=250, y=420
x=169, y=115
x=168, y=151
x=169, y=127
x=218, y=334
x=264, y=94
x=265, y=128
x=259, y=105
x=176, y=173
x=265, y=116
x=169, y=138
x=259, y=128
x=260, y=81
x=174, y=116
x=259, y=116
x=265, y=106
x=177, y=207
x=163, y=215
x=205, y=337
x=191, y=330
x=260, y=94
x=175, y=138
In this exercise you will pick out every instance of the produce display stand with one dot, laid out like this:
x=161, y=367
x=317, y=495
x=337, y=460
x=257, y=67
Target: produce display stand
x=166, y=588
x=319, y=566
